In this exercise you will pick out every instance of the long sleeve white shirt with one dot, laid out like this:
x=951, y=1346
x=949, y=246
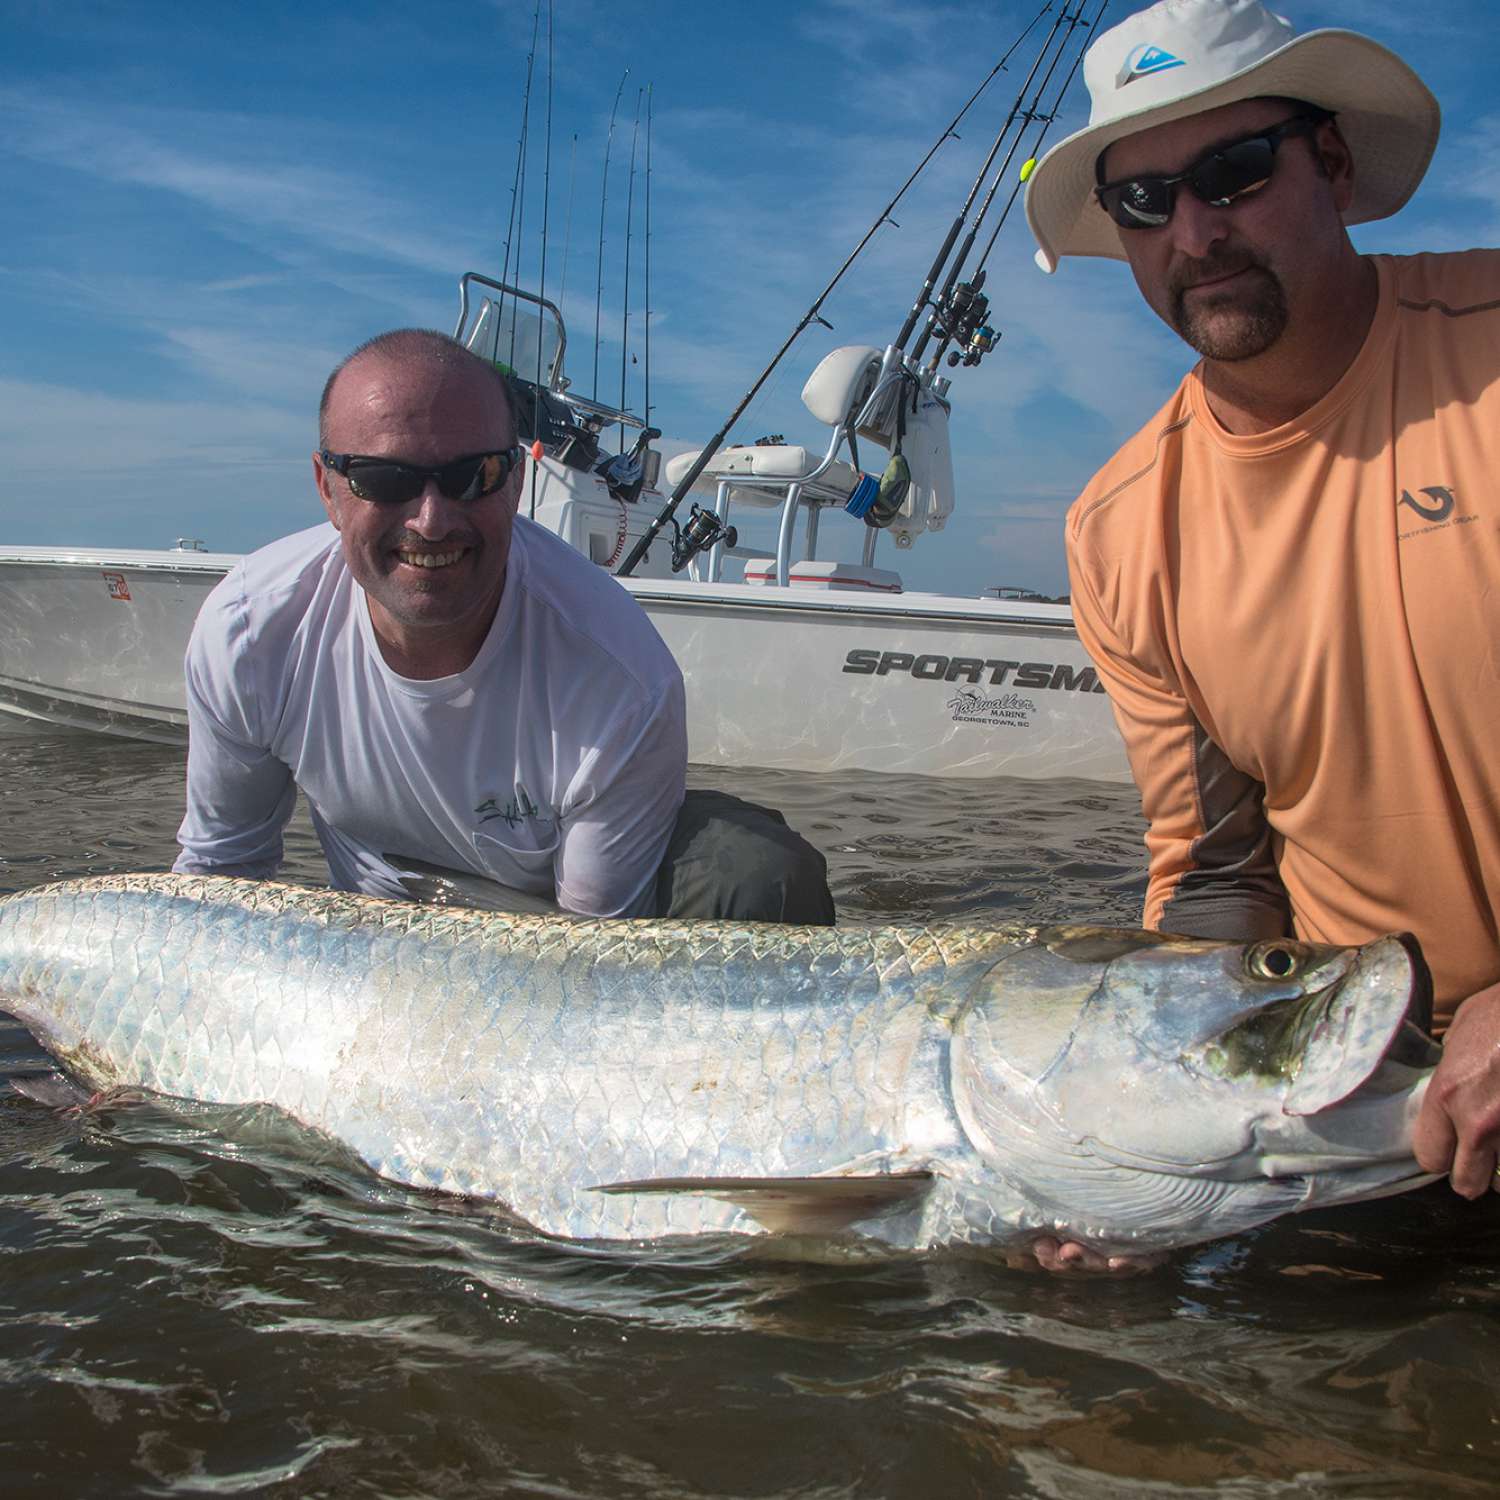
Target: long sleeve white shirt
x=553, y=764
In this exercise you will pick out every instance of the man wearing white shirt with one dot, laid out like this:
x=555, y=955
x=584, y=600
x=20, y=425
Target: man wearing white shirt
x=452, y=685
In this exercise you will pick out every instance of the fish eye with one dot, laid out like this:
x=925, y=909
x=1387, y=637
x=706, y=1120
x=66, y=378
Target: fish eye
x=1273, y=961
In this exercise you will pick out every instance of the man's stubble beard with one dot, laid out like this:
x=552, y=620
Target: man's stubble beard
x=1236, y=325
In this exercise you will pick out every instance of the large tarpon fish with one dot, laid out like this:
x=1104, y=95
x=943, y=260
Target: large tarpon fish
x=908, y=1086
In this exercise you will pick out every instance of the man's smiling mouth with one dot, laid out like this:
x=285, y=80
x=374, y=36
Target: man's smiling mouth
x=431, y=559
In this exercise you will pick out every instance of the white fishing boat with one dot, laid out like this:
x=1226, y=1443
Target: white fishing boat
x=791, y=661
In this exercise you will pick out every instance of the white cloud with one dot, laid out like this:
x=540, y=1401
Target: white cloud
x=280, y=370
x=243, y=170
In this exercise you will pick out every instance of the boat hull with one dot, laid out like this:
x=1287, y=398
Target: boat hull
x=916, y=684
x=800, y=679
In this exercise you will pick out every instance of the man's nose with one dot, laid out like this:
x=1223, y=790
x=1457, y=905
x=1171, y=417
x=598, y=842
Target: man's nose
x=1197, y=226
x=435, y=515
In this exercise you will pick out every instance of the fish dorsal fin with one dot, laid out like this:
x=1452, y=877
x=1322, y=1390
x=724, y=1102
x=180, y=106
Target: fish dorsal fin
x=798, y=1205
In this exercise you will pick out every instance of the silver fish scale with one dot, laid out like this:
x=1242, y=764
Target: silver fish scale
x=522, y=1058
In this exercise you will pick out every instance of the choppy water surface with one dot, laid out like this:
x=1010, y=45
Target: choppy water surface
x=184, y=1312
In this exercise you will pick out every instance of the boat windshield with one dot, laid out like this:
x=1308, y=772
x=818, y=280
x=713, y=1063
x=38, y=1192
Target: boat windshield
x=521, y=335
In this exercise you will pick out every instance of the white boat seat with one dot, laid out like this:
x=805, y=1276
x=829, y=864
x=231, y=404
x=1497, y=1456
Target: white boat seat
x=839, y=577
x=778, y=461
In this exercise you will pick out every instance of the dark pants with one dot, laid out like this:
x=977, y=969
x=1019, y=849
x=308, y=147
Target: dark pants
x=730, y=858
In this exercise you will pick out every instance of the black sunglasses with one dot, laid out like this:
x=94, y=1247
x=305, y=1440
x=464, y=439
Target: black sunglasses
x=387, y=482
x=1218, y=177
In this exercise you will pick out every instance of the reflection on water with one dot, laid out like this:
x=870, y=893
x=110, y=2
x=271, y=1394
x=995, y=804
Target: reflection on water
x=192, y=1305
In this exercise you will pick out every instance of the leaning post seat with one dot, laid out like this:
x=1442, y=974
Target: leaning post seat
x=888, y=406
x=841, y=387
x=774, y=465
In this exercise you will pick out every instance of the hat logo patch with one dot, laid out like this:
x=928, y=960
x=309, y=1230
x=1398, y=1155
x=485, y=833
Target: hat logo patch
x=1142, y=61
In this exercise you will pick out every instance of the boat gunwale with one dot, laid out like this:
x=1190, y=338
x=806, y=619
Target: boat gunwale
x=916, y=605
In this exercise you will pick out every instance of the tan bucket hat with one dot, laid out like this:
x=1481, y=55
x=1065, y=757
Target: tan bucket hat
x=1181, y=57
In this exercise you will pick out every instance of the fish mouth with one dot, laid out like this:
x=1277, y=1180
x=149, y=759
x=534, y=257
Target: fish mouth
x=1419, y=1009
x=1369, y=1031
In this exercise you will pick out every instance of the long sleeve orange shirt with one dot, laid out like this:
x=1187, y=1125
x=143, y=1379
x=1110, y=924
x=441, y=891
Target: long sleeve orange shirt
x=1300, y=635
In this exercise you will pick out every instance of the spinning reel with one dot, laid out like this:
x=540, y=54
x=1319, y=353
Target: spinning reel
x=962, y=319
x=702, y=531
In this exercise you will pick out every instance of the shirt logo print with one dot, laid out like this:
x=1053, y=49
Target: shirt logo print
x=1439, y=510
x=520, y=808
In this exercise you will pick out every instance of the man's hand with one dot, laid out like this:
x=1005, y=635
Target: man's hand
x=1070, y=1257
x=1458, y=1130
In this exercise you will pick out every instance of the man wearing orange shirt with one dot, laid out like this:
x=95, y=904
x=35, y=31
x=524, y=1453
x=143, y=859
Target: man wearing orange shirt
x=1287, y=577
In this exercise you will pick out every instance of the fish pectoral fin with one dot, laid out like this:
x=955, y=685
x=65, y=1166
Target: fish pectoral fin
x=798, y=1205
x=433, y=885
x=50, y=1088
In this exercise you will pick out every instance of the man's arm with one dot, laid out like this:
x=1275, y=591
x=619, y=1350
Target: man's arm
x=621, y=810
x=239, y=795
x=1212, y=867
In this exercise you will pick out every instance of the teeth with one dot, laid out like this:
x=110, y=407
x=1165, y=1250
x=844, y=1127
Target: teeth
x=430, y=559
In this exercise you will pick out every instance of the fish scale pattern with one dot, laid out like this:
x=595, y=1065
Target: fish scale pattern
x=524, y=1058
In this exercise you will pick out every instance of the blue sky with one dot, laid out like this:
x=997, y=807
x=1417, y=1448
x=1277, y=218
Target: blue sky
x=208, y=204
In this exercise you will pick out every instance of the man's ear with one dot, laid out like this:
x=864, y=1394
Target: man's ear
x=324, y=482
x=516, y=481
x=1336, y=162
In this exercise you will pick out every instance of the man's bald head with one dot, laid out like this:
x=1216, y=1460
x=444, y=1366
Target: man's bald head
x=406, y=348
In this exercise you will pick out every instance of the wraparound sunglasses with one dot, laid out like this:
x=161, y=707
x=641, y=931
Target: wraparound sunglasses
x=387, y=482
x=1218, y=177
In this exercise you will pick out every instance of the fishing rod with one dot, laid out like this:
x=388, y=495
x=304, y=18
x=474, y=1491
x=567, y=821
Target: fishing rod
x=629, y=234
x=518, y=179
x=1018, y=111
x=925, y=294
x=536, y=384
x=515, y=314
x=650, y=87
x=603, y=193
x=812, y=315
x=562, y=291
x=963, y=309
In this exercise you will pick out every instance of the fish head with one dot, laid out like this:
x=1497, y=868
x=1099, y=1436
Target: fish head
x=1150, y=1091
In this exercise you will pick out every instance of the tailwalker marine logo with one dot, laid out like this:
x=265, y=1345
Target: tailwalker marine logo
x=118, y=588
x=1436, y=510
x=970, y=706
x=520, y=809
x=1143, y=61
